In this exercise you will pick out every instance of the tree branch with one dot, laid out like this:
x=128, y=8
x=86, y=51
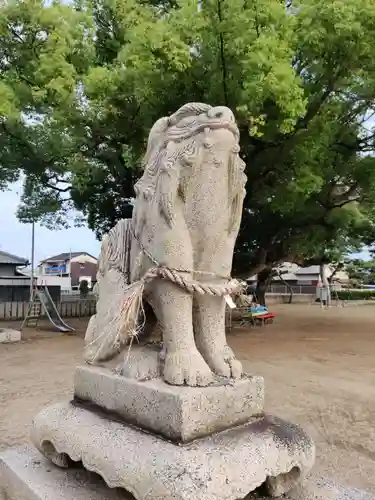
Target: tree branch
x=14, y=33
x=338, y=267
x=222, y=57
x=314, y=109
x=56, y=188
x=256, y=20
x=54, y=177
x=17, y=138
x=343, y=203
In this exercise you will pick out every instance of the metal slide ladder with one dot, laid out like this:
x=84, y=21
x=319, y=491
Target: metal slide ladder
x=42, y=300
x=50, y=309
x=34, y=311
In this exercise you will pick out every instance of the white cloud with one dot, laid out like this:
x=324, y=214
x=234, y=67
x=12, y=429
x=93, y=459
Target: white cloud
x=16, y=237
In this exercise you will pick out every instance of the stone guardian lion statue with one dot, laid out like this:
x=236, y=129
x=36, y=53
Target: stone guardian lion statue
x=176, y=252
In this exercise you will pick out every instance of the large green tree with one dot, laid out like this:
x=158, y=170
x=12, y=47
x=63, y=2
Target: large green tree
x=81, y=85
x=361, y=271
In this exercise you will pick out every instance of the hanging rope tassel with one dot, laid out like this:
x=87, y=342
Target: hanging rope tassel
x=123, y=327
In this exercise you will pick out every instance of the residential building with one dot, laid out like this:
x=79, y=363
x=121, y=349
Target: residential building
x=303, y=279
x=14, y=284
x=311, y=276
x=9, y=264
x=68, y=269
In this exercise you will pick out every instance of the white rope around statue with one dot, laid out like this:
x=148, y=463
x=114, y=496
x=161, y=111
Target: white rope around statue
x=126, y=325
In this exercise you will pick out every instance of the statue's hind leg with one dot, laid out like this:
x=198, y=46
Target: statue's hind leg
x=183, y=362
x=209, y=328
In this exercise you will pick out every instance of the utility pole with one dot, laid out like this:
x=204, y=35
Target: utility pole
x=32, y=260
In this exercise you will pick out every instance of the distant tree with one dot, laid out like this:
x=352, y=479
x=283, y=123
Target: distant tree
x=83, y=288
x=361, y=271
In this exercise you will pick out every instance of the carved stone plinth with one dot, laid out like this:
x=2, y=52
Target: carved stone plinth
x=227, y=465
x=27, y=475
x=177, y=413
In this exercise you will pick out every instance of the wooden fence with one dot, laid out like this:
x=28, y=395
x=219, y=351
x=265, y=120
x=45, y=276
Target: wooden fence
x=67, y=309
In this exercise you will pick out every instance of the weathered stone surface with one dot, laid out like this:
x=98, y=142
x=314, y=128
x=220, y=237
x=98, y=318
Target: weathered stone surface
x=323, y=489
x=176, y=252
x=177, y=413
x=142, y=363
x=7, y=335
x=226, y=466
x=27, y=475
x=173, y=261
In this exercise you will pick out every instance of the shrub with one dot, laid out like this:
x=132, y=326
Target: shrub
x=84, y=288
x=355, y=294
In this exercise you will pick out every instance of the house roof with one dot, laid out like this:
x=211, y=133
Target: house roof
x=309, y=270
x=8, y=258
x=65, y=256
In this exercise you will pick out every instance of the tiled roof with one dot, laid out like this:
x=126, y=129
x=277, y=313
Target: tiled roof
x=65, y=256
x=8, y=258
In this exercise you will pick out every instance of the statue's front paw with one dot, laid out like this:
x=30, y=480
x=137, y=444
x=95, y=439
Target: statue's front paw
x=223, y=362
x=186, y=367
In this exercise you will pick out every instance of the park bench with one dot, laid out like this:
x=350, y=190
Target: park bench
x=247, y=318
x=264, y=319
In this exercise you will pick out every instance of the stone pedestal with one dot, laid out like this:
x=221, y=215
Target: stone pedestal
x=27, y=475
x=161, y=442
x=176, y=413
x=227, y=465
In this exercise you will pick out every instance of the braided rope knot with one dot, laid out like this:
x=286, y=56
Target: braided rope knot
x=126, y=325
x=191, y=286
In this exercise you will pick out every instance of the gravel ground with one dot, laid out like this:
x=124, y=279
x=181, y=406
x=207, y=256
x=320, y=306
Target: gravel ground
x=318, y=366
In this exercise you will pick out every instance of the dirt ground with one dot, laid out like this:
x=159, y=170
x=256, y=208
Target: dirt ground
x=319, y=368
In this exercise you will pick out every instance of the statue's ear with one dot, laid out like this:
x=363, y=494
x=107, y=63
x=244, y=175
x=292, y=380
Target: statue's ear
x=189, y=109
x=155, y=136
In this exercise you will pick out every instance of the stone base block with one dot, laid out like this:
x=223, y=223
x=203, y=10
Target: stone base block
x=177, y=413
x=7, y=335
x=225, y=466
x=27, y=475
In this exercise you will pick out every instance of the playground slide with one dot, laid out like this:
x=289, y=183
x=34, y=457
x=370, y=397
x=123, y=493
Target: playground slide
x=51, y=311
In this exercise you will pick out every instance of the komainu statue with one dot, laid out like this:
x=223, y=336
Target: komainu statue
x=170, y=265
x=176, y=252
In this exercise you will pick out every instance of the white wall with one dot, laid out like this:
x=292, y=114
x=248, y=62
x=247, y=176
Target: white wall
x=84, y=258
x=307, y=277
x=64, y=282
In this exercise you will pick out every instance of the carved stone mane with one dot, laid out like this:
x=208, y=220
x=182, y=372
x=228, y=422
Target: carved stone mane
x=170, y=152
x=112, y=254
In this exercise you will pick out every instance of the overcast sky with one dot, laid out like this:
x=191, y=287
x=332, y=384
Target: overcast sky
x=15, y=237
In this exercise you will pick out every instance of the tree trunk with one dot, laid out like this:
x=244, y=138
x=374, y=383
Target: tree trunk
x=326, y=288
x=264, y=279
x=288, y=285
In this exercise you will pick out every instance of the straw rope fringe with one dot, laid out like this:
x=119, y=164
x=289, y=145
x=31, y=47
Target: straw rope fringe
x=128, y=322
x=126, y=326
